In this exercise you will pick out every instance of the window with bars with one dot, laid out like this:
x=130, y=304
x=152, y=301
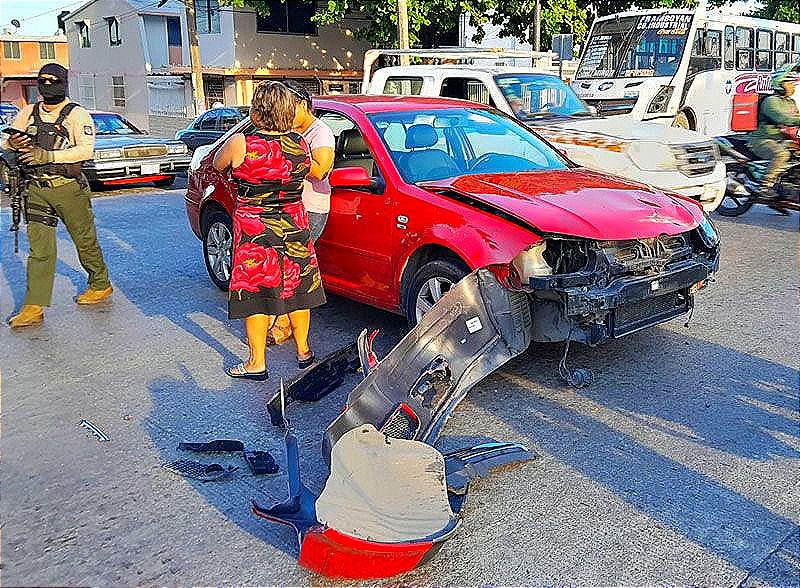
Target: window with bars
x=207, y=16
x=11, y=49
x=86, y=89
x=291, y=16
x=118, y=91
x=113, y=31
x=83, y=34
x=47, y=50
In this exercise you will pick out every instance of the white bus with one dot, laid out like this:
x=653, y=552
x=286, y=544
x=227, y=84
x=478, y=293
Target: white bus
x=680, y=67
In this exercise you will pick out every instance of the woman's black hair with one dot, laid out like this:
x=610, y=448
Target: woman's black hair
x=301, y=92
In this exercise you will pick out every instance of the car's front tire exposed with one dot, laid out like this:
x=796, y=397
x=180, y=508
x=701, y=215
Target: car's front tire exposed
x=164, y=183
x=218, y=247
x=429, y=284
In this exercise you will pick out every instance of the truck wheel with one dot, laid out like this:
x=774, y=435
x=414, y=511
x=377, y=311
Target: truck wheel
x=429, y=284
x=683, y=121
x=218, y=248
x=165, y=183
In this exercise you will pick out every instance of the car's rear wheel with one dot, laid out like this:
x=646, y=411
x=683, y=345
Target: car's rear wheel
x=218, y=248
x=430, y=282
x=165, y=183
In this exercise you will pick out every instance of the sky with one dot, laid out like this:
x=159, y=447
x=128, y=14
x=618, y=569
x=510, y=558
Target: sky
x=38, y=17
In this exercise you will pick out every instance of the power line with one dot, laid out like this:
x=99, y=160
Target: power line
x=46, y=12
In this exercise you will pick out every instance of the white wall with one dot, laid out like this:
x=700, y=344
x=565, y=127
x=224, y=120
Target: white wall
x=216, y=50
x=101, y=60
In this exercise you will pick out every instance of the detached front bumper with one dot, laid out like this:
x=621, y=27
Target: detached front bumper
x=119, y=169
x=574, y=306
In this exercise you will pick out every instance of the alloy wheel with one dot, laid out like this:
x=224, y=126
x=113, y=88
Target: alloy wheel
x=219, y=248
x=430, y=293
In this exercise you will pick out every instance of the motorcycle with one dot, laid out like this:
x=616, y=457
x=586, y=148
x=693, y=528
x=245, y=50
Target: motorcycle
x=745, y=171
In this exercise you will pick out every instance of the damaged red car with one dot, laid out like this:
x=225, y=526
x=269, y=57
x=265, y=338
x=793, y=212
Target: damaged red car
x=427, y=190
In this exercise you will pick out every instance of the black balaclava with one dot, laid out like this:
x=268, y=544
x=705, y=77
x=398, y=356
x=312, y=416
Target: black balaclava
x=57, y=91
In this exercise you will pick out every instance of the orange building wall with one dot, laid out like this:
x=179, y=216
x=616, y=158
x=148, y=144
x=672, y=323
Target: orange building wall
x=27, y=66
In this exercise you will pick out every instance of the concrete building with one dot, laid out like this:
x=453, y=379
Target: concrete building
x=20, y=60
x=132, y=56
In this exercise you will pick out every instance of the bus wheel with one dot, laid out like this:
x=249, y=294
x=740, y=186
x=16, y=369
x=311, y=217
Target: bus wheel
x=683, y=121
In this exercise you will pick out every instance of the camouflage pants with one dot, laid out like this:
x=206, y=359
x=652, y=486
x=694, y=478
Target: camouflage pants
x=778, y=154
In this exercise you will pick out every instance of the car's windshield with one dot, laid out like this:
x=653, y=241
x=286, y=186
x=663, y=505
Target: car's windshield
x=635, y=46
x=533, y=95
x=437, y=144
x=113, y=124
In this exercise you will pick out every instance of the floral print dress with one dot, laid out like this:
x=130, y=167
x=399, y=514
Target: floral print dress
x=275, y=268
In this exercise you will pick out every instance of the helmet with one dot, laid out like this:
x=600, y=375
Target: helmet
x=785, y=74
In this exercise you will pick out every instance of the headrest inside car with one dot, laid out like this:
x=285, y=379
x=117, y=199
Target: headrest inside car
x=352, y=144
x=421, y=137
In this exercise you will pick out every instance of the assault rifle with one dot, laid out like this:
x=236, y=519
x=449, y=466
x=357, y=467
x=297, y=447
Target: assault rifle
x=14, y=188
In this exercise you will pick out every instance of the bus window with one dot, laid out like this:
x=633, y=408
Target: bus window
x=744, y=48
x=781, y=49
x=730, y=50
x=706, y=52
x=795, y=55
x=764, y=52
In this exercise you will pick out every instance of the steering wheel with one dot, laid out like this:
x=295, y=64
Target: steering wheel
x=499, y=162
x=484, y=159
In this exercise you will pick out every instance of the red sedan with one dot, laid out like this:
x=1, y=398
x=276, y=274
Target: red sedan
x=426, y=190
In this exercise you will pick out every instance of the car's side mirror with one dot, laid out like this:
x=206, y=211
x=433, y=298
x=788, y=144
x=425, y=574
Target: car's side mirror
x=351, y=177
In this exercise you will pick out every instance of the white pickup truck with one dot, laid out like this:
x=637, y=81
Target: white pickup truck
x=670, y=158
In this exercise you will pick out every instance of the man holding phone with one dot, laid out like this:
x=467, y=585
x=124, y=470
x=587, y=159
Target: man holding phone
x=58, y=135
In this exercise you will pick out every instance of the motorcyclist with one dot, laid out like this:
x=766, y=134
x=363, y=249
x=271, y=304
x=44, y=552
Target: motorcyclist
x=776, y=111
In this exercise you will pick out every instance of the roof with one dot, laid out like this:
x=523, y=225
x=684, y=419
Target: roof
x=34, y=38
x=489, y=69
x=374, y=104
x=171, y=7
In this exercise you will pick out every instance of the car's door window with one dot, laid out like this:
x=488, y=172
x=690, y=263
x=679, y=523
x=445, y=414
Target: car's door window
x=466, y=89
x=351, y=150
x=209, y=122
x=228, y=118
x=403, y=86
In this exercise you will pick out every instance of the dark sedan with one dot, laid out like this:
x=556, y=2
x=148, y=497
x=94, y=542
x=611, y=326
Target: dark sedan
x=211, y=125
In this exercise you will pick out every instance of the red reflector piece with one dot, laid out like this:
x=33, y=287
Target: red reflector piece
x=139, y=180
x=336, y=555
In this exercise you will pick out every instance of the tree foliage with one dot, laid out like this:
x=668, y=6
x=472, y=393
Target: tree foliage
x=514, y=17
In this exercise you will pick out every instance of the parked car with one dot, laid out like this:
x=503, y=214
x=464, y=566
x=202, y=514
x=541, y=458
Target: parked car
x=8, y=111
x=426, y=190
x=211, y=125
x=671, y=159
x=125, y=155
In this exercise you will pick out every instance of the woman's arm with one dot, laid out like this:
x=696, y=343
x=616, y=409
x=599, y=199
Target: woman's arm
x=231, y=154
x=321, y=162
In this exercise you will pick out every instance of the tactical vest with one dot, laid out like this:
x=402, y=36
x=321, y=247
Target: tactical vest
x=53, y=137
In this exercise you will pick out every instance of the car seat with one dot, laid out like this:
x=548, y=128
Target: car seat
x=352, y=151
x=422, y=162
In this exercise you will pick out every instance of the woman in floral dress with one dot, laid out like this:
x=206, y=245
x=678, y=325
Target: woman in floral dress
x=274, y=268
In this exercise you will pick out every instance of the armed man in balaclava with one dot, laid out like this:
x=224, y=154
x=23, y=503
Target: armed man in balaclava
x=60, y=136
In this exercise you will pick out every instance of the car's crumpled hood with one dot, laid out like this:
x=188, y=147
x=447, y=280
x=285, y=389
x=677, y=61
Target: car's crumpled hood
x=122, y=141
x=578, y=202
x=625, y=128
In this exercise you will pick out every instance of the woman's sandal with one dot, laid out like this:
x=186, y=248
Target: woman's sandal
x=306, y=362
x=239, y=371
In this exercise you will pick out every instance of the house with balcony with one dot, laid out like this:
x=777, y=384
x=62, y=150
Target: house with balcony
x=132, y=56
x=21, y=58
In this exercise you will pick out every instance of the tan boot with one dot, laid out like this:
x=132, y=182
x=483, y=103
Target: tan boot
x=30, y=315
x=94, y=296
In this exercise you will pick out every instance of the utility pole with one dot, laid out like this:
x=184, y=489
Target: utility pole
x=537, y=26
x=402, y=30
x=194, y=56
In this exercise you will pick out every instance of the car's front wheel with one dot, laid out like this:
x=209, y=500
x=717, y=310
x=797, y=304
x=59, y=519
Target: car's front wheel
x=164, y=183
x=430, y=282
x=218, y=248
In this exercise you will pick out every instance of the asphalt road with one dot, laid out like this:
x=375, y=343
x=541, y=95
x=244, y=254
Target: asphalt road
x=678, y=465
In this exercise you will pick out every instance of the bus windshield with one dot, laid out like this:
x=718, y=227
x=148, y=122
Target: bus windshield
x=635, y=46
x=533, y=95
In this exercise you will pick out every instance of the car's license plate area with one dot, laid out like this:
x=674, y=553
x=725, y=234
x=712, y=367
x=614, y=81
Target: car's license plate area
x=637, y=315
x=150, y=169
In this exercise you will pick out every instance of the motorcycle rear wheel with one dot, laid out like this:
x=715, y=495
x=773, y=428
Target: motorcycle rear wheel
x=734, y=204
